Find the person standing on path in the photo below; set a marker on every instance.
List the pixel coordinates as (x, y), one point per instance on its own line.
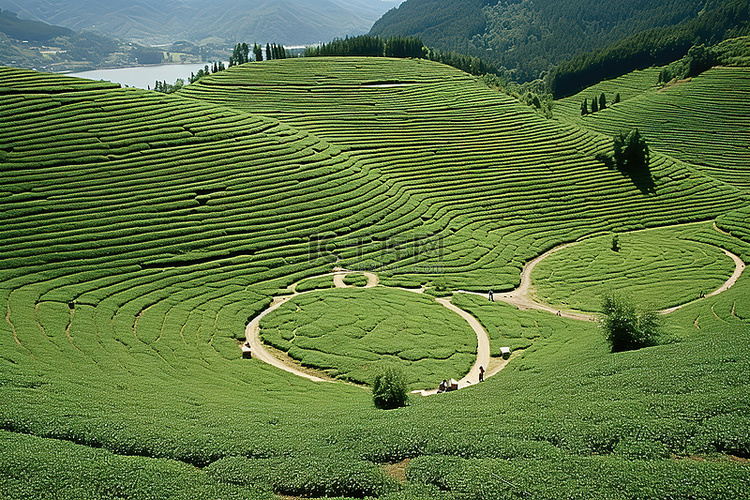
(481, 373)
(491, 297)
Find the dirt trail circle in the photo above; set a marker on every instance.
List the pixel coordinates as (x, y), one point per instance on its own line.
(518, 297)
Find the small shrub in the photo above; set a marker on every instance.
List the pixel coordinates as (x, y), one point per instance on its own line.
(389, 389)
(625, 327)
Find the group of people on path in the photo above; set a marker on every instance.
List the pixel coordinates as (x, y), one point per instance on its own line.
(445, 386)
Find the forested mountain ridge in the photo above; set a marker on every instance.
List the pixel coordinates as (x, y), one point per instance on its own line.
(529, 37)
(166, 21)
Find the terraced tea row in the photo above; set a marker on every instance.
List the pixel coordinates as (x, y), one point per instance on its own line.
(137, 249)
(472, 157)
(702, 121)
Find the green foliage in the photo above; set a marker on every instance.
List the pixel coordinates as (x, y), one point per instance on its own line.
(240, 54)
(207, 70)
(734, 51)
(655, 47)
(625, 327)
(664, 267)
(630, 151)
(167, 88)
(711, 141)
(370, 46)
(527, 38)
(698, 59)
(355, 279)
(389, 389)
(316, 475)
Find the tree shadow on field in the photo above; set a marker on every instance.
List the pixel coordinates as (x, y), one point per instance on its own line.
(639, 174)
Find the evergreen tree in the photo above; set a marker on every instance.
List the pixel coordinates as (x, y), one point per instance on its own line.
(258, 51)
(617, 98)
(584, 107)
(594, 105)
(630, 151)
(269, 54)
(602, 101)
(244, 51)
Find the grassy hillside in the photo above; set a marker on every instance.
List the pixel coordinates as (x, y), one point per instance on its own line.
(142, 231)
(702, 121)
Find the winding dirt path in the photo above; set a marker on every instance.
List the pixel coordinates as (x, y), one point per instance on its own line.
(520, 297)
(286, 363)
(739, 266)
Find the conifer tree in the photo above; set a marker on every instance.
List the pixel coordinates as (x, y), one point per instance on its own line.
(602, 101)
(594, 105)
(584, 107)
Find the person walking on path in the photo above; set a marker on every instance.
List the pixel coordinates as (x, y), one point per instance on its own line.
(481, 373)
(490, 296)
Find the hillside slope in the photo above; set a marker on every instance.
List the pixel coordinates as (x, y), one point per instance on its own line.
(702, 121)
(166, 21)
(142, 231)
(530, 37)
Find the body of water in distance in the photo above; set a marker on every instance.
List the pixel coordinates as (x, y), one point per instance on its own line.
(144, 77)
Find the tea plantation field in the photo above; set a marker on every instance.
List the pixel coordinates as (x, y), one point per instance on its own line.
(142, 231)
(702, 121)
(352, 334)
(662, 267)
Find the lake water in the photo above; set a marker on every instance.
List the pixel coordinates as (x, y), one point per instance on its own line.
(143, 76)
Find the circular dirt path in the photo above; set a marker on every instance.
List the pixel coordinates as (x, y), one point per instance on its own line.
(286, 363)
(282, 361)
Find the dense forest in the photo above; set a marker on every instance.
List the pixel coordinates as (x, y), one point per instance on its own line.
(654, 47)
(529, 38)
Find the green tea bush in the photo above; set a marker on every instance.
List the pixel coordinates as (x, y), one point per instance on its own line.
(312, 475)
(626, 328)
(389, 389)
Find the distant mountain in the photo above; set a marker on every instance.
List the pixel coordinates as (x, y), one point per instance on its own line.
(531, 36)
(33, 31)
(166, 21)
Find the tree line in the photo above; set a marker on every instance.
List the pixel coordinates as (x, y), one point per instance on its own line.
(370, 46)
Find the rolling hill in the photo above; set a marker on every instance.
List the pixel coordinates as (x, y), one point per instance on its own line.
(165, 21)
(142, 232)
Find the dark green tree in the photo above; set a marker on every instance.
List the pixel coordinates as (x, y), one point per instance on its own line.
(630, 151)
(389, 389)
(602, 101)
(584, 107)
(617, 98)
(258, 51)
(269, 54)
(627, 328)
(594, 105)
